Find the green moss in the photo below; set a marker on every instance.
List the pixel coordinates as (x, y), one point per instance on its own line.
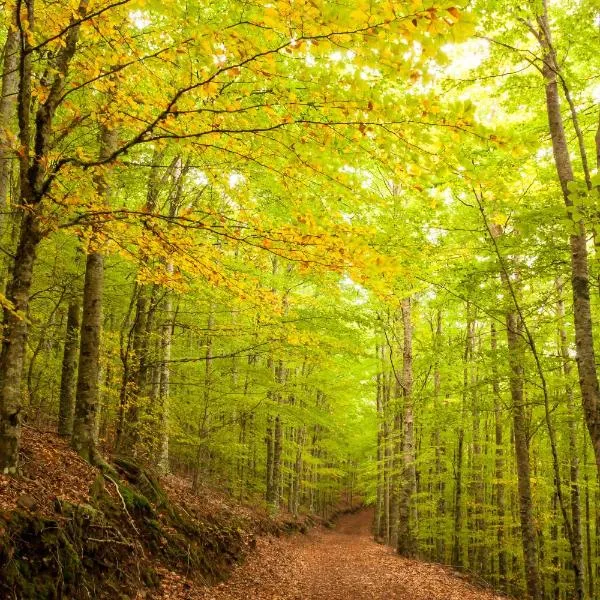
(90, 549)
(136, 503)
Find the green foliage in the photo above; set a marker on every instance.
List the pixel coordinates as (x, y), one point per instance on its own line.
(286, 175)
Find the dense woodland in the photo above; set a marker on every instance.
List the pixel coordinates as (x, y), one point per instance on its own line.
(302, 249)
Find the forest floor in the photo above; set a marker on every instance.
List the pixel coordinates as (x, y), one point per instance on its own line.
(68, 531)
(343, 563)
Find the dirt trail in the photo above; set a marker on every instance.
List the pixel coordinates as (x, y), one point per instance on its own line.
(342, 564)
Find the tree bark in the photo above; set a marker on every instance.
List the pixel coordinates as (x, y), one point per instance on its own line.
(277, 452)
(270, 491)
(499, 464)
(84, 425)
(528, 534)
(586, 357)
(407, 543)
(457, 558)
(588, 527)
(131, 392)
(68, 380)
(86, 407)
(164, 380)
(33, 188)
(14, 343)
(298, 469)
(440, 449)
(379, 516)
(207, 397)
(576, 527)
(8, 103)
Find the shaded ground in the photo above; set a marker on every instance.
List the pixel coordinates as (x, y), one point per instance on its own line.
(340, 564)
(68, 530)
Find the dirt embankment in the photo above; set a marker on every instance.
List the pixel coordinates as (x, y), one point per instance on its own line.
(68, 530)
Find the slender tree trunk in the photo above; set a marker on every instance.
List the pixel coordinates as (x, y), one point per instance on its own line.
(577, 543)
(8, 104)
(207, 398)
(407, 544)
(298, 470)
(277, 453)
(528, 534)
(499, 464)
(127, 441)
(395, 466)
(588, 526)
(86, 407)
(270, 488)
(68, 379)
(477, 477)
(164, 380)
(440, 450)
(379, 516)
(555, 587)
(33, 188)
(596, 561)
(457, 558)
(12, 355)
(586, 357)
(387, 463)
(84, 441)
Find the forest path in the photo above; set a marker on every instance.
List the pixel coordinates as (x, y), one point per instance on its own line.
(340, 564)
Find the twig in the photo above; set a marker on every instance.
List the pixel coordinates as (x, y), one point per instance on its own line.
(123, 501)
(106, 541)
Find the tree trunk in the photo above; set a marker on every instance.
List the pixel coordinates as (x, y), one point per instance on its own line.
(8, 97)
(577, 542)
(407, 544)
(586, 357)
(298, 468)
(164, 380)
(68, 378)
(33, 187)
(555, 579)
(270, 488)
(387, 461)
(528, 534)
(440, 449)
(84, 426)
(588, 527)
(499, 464)
(477, 478)
(457, 559)
(379, 516)
(86, 407)
(129, 433)
(13, 346)
(277, 452)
